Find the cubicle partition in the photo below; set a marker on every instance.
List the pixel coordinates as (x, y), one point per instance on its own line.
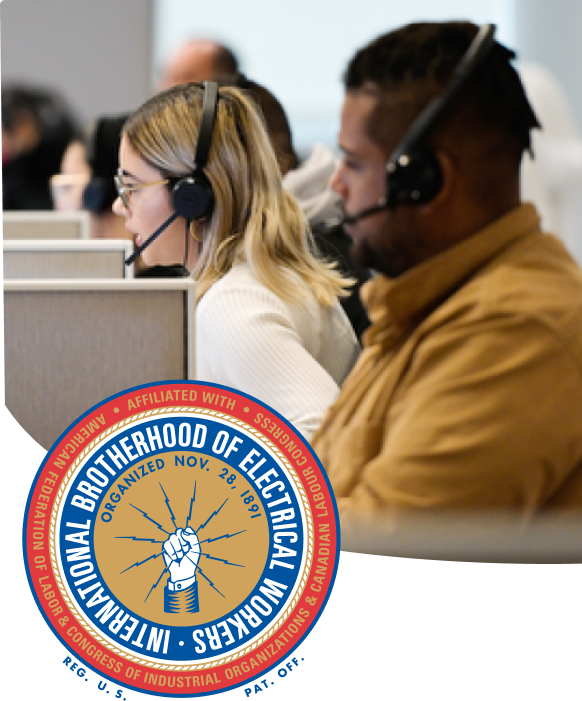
(46, 225)
(67, 258)
(69, 344)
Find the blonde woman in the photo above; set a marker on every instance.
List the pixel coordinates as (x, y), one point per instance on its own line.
(197, 166)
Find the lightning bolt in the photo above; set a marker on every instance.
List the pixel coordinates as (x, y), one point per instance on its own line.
(226, 562)
(169, 507)
(226, 535)
(151, 519)
(191, 505)
(156, 584)
(212, 515)
(209, 581)
(137, 564)
(146, 540)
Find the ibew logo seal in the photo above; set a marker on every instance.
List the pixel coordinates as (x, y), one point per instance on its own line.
(181, 538)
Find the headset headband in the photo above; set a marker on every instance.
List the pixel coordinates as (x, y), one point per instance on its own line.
(209, 103)
(479, 48)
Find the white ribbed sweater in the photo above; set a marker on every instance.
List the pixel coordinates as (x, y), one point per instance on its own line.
(292, 357)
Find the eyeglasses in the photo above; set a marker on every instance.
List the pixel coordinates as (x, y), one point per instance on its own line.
(124, 190)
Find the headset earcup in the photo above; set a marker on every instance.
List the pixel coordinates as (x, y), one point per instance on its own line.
(98, 195)
(415, 178)
(192, 197)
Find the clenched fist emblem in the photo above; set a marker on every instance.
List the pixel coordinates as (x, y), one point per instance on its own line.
(181, 554)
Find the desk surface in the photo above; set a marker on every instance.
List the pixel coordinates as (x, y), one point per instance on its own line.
(475, 537)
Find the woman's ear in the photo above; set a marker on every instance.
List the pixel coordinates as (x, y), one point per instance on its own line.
(197, 229)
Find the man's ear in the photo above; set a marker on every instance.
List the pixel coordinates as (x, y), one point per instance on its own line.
(448, 185)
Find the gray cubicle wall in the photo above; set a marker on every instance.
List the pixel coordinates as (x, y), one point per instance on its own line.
(69, 344)
(45, 225)
(86, 259)
(96, 53)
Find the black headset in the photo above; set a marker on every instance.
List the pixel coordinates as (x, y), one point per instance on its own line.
(192, 196)
(413, 173)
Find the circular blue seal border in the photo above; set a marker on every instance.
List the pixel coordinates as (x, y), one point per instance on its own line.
(277, 430)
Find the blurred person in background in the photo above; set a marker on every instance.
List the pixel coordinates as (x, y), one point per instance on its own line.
(85, 180)
(67, 186)
(197, 60)
(37, 127)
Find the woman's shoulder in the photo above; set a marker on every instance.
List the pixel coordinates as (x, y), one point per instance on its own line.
(241, 292)
(239, 289)
(240, 275)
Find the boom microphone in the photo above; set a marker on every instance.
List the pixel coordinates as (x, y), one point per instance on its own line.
(130, 259)
(333, 222)
(381, 205)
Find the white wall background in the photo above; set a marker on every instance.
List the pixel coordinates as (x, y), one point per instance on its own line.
(300, 49)
(550, 33)
(105, 56)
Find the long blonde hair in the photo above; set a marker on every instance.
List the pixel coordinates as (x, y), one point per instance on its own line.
(254, 218)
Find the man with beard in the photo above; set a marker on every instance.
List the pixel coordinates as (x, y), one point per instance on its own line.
(468, 394)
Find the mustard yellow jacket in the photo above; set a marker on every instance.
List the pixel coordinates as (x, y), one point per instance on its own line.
(468, 393)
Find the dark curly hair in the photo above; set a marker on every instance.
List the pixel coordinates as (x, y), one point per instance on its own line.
(420, 59)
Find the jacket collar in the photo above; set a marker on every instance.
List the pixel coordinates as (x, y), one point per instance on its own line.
(403, 302)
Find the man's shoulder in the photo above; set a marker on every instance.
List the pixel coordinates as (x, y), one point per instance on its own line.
(536, 275)
(535, 280)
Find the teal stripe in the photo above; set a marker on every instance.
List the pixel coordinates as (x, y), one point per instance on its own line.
(18, 471)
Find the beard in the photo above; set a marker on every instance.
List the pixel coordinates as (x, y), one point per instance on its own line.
(363, 255)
